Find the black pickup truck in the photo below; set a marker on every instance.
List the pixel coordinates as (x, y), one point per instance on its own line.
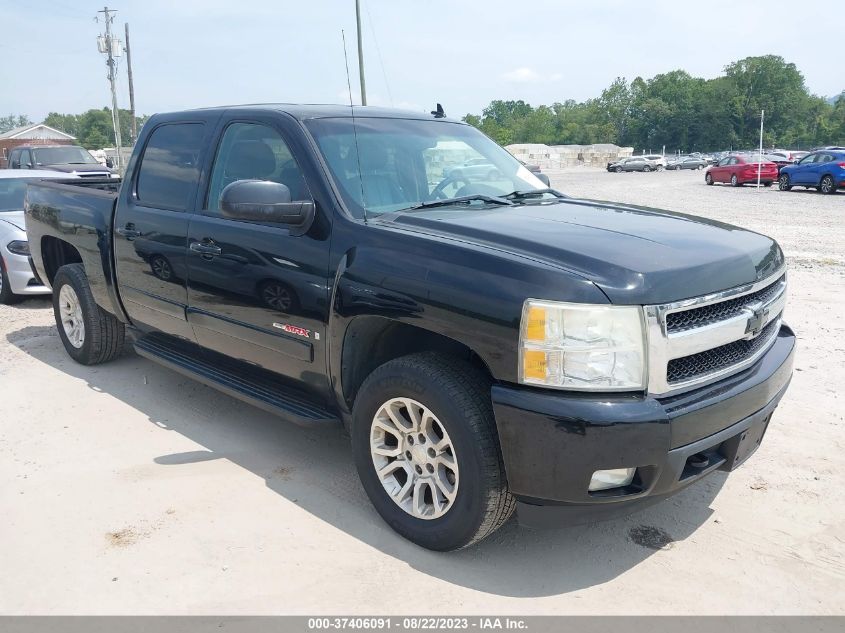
(489, 343)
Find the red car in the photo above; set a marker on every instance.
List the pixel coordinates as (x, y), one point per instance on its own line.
(739, 170)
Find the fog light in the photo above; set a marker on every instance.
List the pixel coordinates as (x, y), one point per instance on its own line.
(614, 478)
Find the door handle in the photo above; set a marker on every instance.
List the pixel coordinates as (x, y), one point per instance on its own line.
(129, 232)
(206, 248)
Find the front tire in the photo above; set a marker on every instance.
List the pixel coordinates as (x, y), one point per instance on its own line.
(426, 448)
(708, 179)
(783, 183)
(90, 334)
(7, 297)
(646, 168)
(734, 181)
(827, 185)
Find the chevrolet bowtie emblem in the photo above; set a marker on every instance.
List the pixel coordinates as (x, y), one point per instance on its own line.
(756, 321)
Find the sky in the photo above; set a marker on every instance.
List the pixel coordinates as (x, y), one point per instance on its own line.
(461, 53)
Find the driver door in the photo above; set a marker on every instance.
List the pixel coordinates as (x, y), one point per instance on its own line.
(255, 291)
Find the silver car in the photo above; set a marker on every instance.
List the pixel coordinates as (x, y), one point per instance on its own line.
(17, 279)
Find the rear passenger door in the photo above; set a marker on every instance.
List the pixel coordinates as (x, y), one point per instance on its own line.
(151, 225)
(256, 292)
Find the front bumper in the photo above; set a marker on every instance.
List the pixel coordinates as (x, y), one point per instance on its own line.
(21, 274)
(553, 442)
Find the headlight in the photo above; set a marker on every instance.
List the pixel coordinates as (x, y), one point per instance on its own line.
(582, 347)
(19, 247)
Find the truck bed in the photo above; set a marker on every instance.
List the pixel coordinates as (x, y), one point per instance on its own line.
(74, 217)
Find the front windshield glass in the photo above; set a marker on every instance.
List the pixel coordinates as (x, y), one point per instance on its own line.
(62, 156)
(12, 193)
(401, 163)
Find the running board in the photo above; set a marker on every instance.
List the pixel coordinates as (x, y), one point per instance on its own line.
(238, 379)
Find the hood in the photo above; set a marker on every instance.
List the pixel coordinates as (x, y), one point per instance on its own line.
(83, 168)
(15, 218)
(635, 255)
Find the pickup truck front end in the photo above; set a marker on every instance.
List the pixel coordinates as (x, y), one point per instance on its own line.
(713, 369)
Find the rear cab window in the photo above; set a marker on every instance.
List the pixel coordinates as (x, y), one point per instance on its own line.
(169, 168)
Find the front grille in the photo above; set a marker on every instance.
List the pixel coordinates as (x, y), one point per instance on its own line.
(713, 360)
(705, 315)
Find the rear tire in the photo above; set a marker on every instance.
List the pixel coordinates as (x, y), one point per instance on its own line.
(646, 168)
(456, 396)
(90, 334)
(827, 185)
(7, 297)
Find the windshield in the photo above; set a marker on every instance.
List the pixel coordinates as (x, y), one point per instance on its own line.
(402, 163)
(69, 155)
(12, 193)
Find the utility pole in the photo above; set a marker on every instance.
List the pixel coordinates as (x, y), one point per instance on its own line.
(360, 53)
(109, 50)
(131, 87)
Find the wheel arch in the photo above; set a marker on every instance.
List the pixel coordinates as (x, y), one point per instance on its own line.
(371, 341)
(56, 253)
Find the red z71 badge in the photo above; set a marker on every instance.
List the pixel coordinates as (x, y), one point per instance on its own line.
(293, 329)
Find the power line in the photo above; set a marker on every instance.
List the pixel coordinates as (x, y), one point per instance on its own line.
(378, 51)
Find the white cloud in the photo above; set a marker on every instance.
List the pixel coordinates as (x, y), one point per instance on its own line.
(522, 75)
(526, 75)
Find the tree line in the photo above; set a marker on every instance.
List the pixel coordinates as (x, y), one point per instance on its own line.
(93, 129)
(682, 112)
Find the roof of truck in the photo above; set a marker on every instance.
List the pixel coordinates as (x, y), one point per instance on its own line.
(323, 110)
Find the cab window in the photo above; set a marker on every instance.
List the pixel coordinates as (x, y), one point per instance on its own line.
(252, 151)
(169, 171)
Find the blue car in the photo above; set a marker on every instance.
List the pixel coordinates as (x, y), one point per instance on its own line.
(823, 169)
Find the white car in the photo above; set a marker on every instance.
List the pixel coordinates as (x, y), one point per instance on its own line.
(657, 159)
(17, 278)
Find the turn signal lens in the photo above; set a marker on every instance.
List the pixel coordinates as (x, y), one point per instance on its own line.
(19, 247)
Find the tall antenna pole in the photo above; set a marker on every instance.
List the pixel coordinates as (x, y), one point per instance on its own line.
(131, 87)
(360, 53)
(112, 64)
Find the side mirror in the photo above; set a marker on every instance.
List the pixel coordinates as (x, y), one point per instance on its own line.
(264, 201)
(544, 179)
(109, 163)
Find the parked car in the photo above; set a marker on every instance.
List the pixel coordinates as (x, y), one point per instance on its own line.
(634, 163)
(17, 277)
(658, 159)
(69, 159)
(537, 171)
(823, 170)
(490, 346)
(739, 170)
(687, 162)
(476, 168)
(779, 159)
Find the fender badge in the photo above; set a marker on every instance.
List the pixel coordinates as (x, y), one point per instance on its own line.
(293, 329)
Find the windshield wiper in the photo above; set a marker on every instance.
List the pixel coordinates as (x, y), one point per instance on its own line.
(460, 200)
(530, 193)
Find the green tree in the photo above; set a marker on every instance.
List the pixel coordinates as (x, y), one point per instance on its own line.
(12, 121)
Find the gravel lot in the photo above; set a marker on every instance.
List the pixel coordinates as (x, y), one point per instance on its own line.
(129, 489)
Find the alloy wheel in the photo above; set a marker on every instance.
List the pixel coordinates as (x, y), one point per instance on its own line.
(827, 184)
(414, 458)
(70, 311)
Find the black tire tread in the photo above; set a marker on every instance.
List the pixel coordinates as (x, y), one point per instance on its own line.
(7, 297)
(470, 390)
(107, 334)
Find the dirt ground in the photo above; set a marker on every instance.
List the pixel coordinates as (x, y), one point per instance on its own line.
(127, 489)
